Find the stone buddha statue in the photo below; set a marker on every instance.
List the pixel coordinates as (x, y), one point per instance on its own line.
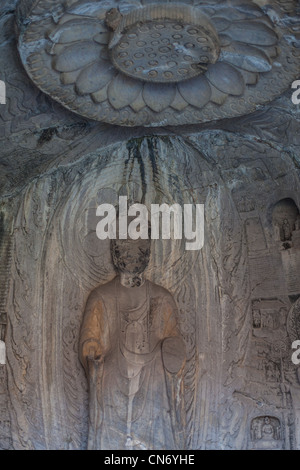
(133, 355)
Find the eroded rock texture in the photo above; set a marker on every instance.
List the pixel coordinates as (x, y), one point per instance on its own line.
(157, 63)
(237, 298)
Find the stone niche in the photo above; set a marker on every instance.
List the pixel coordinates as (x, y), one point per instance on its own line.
(286, 223)
(70, 143)
(266, 433)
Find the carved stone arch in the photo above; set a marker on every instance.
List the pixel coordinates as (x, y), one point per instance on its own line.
(267, 216)
(67, 261)
(213, 292)
(278, 196)
(284, 217)
(266, 432)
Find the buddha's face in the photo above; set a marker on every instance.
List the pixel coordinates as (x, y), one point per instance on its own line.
(131, 256)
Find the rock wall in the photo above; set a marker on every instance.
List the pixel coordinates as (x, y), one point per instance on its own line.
(238, 297)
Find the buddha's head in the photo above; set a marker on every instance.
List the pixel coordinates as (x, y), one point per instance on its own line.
(131, 256)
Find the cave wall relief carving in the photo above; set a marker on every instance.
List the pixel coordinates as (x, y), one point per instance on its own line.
(235, 304)
(159, 63)
(275, 287)
(133, 353)
(6, 222)
(266, 433)
(85, 264)
(214, 293)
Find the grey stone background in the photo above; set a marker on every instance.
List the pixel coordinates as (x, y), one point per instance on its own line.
(55, 169)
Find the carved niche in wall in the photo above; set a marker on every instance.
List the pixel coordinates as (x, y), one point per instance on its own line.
(286, 222)
(134, 357)
(158, 63)
(266, 433)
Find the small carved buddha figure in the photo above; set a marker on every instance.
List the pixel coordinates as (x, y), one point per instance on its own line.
(133, 354)
(267, 429)
(286, 229)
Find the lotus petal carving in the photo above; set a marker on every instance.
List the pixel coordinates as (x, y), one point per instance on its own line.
(143, 63)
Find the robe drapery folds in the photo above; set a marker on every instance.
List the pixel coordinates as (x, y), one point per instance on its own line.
(133, 354)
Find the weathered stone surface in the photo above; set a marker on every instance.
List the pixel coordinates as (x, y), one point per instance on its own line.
(241, 360)
(134, 357)
(237, 299)
(161, 43)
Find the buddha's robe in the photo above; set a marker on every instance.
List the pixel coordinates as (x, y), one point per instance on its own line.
(136, 380)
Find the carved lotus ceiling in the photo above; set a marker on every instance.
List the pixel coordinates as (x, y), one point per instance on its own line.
(160, 63)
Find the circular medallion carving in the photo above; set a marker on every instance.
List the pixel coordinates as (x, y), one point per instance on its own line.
(163, 44)
(162, 56)
(155, 64)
